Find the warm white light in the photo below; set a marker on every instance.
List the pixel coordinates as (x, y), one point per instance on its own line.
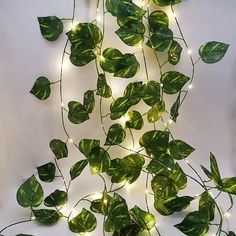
(169, 168)
(187, 161)
(98, 18)
(33, 218)
(146, 191)
(170, 121)
(105, 201)
(124, 118)
(62, 104)
(190, 86)
(73, 25)
(70, 140)
(65, 65)
(197, 195)
(211, 194)
(165, 124)
(128, 186)
(97, 9)
(97, 196)
(140, 45)
(102, 58)
(189, 51)
(227, 215)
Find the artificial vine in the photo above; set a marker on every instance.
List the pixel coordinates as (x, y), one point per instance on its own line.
(159, 155)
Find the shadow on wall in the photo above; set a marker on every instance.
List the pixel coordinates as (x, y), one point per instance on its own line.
(233, 117)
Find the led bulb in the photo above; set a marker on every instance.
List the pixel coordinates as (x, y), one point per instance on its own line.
(227, 215)
(169, 168)
(170, 121)
(211, 194)
(128, 186)
(105, 201)
(189, 51)
(70, 140)
(33, 218)
(190, 86)
(97, 196)
(187, 161)
(62, 104)
(146, 191)
(98, 18)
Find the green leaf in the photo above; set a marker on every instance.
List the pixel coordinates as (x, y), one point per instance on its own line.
(155, 113)
(166, 2)
(144, 219)
(46, 216)
(174, 111)
(213, 52)
(30, 193)
(46, 172)
(121, 105)
(86, 34)
(59, 148)
(160, 165)
(207, 172)
(87, 145)
(157, 20)
(101, 205)
(155, 142)
(103, 89)
(194, 224)
(51, 27)
(151, 93)
(207, 205)
(89, 101)
(127, 169)
(80, 55)
(179, 149)
(132, 90)
(178, 203)
(99, 160)
(118, 214)
(77, 168)
(57, 198)
(130, 230)
(164, 186)
(85, 221)
(41, 88)
(131, 33)
(174, 53)
(229, 185)
(215, 171)
(159, 204)
(173, 81)
(116, 135)
(161, 39)
(231, 233)
(23, 235)
(77, 112)
(134, 121)
(178, 176)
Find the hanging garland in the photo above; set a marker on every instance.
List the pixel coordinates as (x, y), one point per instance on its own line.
(159, 155)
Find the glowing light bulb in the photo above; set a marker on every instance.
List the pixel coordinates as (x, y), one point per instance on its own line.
(105, 201)
(97, 196)
(102, 58)
(62, 104)
(70, 140)
(98, 18)
(73, 25)
(189, 51)
(211, 194)
(170, 121)
(146, 191)
(187, 161)
(128, 186)
(190, 86)
(197, 195)
(140, 45)
(165, 124)
(227, 215)
(33, 218)
(169, 169)
(97, 9)
(161, 84)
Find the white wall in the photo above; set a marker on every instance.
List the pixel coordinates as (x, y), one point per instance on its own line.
(207, 119)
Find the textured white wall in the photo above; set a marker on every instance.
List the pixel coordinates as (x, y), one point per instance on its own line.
(207, 119)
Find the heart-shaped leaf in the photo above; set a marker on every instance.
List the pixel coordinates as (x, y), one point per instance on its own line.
(85, 221)
(41, 88)
(116, 135)
(57, 198)
(174, 53)
(51, 27)
(101, 205)
(77, 168)
(46, 216)
(166, 2)
(59, 148)
(207, 205)
(103, 89)
(215, 171)
(77, 112)
(157, 20)
(87, 145)
(30, 193)
(229, 185)
(178, 203)
(89, 101)
(134, 121)
(151, 93)
(155, 113)
(46, 172)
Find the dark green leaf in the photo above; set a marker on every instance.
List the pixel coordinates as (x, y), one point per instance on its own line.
(116, 135)
(30, 193)
(46, 172)
(173, 81)
(132, 229)
(133, 90)
(51, 27)
(85, 221)
(155, 142)
(89, 101)
(57, 198)
(81, 55)
(86, 34)
(164, 186)
(144, 219)
(131, 33)
(23, 235)
(178, 176)
(99, 160)
(87, 145)
(77, 112)
(215, 171)
(41, 88)
(174, 111)
(118, 214)
(157, 20)
(161, 39)
(77, 168)
(151, 93)
(103, 89)
(179, 149)
(207, 205)
(229, 185)
(127, 169)
(178, 203)
(59, 148)
(101, 205)
(194, 224)
(231, 233)
(213, 52)
(166, 2)
(174, 52)
(207, 172)
(155, 113)
(46, 216)
(159, 204)
(134, 121)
